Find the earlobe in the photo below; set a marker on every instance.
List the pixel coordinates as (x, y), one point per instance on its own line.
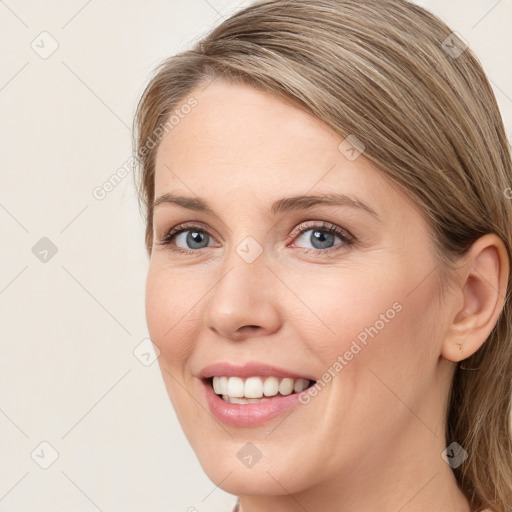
(483, 278)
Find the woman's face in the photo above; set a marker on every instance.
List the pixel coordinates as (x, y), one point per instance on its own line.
(336, 286)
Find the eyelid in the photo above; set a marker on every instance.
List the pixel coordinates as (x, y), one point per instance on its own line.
(323, 225)
(180, 228)
(345, 236)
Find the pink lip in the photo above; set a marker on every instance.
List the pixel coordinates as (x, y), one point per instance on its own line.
(249, 415)
(251, 369)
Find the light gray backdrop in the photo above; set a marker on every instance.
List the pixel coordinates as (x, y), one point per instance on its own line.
(85, 422)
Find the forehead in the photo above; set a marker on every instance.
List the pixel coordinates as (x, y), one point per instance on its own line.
(238, 121)
(238, 141)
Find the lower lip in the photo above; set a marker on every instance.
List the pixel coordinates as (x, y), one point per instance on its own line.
(249, 415)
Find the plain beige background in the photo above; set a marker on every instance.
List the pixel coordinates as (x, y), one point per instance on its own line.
(75, 381)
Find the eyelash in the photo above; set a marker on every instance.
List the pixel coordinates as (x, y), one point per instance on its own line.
(345, 237)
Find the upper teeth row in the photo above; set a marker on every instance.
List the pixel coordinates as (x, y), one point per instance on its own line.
(256, 387)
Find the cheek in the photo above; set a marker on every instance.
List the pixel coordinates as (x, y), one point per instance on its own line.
(389, 341)
(370, 320)
(343, 305)
(171, 315)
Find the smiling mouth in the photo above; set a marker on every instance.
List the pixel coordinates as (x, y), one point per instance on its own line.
(237, 390)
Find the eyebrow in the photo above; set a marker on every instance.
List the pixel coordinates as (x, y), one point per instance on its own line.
(284, 204)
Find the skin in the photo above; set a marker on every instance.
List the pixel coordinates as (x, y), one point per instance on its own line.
(371, 440)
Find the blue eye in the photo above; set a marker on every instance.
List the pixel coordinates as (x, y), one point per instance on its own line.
(322, 237)
(194, 238)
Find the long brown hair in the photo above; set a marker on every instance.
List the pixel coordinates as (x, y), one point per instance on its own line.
(396, 77)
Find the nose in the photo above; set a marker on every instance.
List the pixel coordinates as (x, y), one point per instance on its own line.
(243, 303)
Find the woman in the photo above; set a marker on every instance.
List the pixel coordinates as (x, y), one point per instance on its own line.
(329, 224)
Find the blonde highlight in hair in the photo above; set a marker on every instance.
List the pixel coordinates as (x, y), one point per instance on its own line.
(379, 70)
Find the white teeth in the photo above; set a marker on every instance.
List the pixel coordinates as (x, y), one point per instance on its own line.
(223, 385)
(300, 385)
(286, 386)
(233, 400)
(254, 389)
(235, 387)
(271, 386)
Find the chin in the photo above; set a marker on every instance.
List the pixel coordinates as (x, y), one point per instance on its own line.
(230, 467)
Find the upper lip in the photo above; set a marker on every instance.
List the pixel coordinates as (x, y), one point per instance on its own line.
(249, 369)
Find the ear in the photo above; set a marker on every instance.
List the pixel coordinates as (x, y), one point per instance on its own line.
(481, 285)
